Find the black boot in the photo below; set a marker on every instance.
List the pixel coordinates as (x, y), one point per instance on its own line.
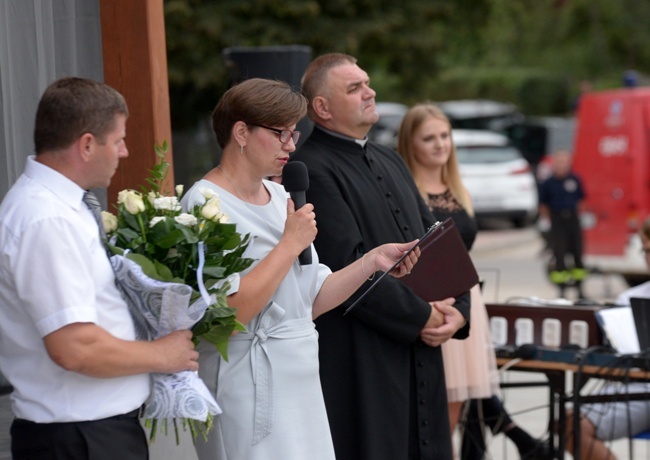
(541, 451)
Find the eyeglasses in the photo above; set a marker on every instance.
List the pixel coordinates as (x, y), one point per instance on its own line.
(283, 134)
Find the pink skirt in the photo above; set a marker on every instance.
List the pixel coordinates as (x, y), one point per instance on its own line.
(470, 364)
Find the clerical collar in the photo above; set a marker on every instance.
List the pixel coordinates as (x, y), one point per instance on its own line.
(361, 142)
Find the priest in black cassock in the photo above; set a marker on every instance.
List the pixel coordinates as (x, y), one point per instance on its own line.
(380, 365)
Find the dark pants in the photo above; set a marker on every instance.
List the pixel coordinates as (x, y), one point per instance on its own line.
(566, 237)
(491, 414)
(115, 438)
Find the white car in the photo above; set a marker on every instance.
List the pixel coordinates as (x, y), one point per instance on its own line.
(497, 176)
(390, 118)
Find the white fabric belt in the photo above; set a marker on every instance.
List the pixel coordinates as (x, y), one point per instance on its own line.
(269, 327)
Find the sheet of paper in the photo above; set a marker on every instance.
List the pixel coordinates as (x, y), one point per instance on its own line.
(618, 324)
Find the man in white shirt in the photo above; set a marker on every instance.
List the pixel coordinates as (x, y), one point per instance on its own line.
(619, 419)
(67, 342)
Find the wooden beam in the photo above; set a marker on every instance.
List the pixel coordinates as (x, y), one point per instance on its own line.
(135, 63)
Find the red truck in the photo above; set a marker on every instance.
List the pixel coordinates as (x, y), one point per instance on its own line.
(612, 155)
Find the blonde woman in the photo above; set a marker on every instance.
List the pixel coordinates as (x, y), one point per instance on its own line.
(425, 143)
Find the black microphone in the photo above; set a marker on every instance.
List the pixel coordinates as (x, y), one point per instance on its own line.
(296, 181)
(526, 351)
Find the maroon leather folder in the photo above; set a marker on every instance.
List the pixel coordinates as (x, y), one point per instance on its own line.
(443, 270)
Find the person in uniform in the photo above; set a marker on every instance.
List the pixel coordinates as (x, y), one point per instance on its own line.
(560, 198)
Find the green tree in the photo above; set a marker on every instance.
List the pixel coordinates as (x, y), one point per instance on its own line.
(414, 49)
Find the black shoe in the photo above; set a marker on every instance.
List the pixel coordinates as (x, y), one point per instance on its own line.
(541, 451)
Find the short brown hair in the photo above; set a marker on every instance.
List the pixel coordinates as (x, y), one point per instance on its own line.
(71, 107)
(257, 102)
(314, 80)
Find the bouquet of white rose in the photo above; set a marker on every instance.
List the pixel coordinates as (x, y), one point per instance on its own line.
(173, 268)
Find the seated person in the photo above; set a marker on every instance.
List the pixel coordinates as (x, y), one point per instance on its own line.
(609, 421)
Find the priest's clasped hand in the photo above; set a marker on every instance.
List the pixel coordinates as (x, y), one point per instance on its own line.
(449, 320)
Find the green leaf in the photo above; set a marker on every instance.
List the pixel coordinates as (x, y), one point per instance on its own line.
(115, 250)
(217, 325)
(158, 173)
(214, 272)
(189, 234)
(163, 271)
(131, 220)
(233, 240)
(170, 239)
(148, 267)
(128, 233)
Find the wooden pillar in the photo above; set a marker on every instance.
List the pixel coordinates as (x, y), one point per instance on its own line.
(135, 63)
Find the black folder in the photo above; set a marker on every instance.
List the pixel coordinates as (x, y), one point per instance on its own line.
(641, 313)
(443, 270)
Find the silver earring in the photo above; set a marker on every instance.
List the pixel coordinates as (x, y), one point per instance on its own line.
(241, 149)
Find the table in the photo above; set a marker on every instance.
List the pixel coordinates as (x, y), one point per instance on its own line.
(559, 373)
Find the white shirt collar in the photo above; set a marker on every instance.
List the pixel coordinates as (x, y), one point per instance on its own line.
(361, 142)
(67, 190)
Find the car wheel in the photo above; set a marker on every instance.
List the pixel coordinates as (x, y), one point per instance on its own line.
(519, 222)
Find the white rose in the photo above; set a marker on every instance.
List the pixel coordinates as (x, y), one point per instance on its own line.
(207, 193)
(155, 220)
(211, 209)
(179, 189)
(109, 221)
(132, 201)
(121, 197)
(167, 203)
(224, 219)
(186, 219)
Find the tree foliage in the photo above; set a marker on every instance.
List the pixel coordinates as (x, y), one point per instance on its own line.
(416, 49)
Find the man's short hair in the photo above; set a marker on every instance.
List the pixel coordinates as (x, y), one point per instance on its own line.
(71, 107)
(314, 80)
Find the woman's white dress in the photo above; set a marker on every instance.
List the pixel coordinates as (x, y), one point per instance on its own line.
(269, 390)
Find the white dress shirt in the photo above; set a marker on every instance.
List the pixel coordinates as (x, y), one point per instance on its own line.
(642, 290)
(53, 272)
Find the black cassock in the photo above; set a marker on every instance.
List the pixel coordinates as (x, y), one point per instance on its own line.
(384, 388)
